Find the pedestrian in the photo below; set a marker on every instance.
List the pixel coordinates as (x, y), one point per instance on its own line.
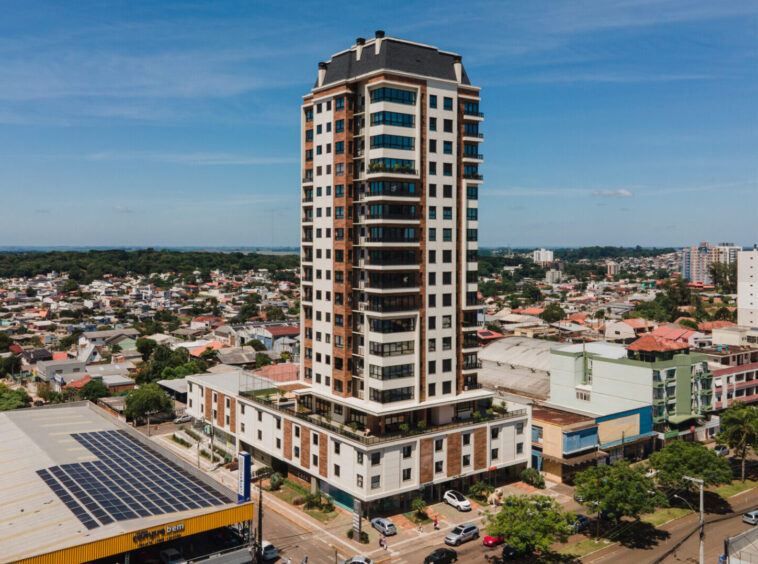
(436, 525)
(420, 529)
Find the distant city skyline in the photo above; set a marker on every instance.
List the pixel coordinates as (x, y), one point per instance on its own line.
(171, 124)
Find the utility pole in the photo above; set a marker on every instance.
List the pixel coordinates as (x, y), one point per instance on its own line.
(699, 482)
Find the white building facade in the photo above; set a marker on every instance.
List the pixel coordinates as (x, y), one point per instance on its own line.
(747, 288)
(388, 401)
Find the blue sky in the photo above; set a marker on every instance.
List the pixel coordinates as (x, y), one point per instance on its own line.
(160, 123)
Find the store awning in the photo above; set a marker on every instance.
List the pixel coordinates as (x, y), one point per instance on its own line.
(576, 460)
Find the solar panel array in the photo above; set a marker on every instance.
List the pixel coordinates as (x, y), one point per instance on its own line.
(128, 481)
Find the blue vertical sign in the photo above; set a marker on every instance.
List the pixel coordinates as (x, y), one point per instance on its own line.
(243, 475)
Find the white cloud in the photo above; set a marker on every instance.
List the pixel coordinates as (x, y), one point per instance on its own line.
(120, 208)
(618, 193)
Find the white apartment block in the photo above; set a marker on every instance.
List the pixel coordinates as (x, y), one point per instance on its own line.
(747, 288)
(543, 257)
(388, 383)
(696, 261)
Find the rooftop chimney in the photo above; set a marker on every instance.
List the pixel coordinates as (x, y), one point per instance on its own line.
(321, 73)
(360, 42)
(458, 68)
(379, 34)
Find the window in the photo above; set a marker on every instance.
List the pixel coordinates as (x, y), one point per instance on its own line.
(447, 343)
(315, 459)
(472, 192)
(407, 451)
(432, 300)
(387, 94)
(227, 419)
(447, 300)
(336, 470)
(260, 415)
(297, 430)
(339, 104)
(446, 386)
(472, 214)
(392, 118)
(432, 257)
(318, 149)
(318, 129)
(392, 142)
(432, 390)
(447, 169)
(432, 124)
(406, 474)
(448, 125)
(376, 458)
(467, 460)
(260, 435)
(432, 322)
(432, 212)
(432, 167)
(438, 444)
(339, 191)
(432, 278)
(315, 438)
(432, 146)
(447, 256)
(432, 101)
(375, 482)
(494, 453)
(339, 147)
(279, 443)
(447, 234)
(242, 427)
(359, 480)
(432, 190)
(278, 422)
(519, 428)
(339, 169)
(328, 105)
(297, 451)
(494, 432)
(337, 446)
(447, 213)
(309, 114)
(519, 448)
(447, 147)
(447, 278)
(448, 104)
(438, 467)
(432, 234)
(471, 235)
(466, 438)
(431, 345)
(447, 190)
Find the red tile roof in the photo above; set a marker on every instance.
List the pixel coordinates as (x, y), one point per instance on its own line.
(487, 335)
(711, 325)
(651, 343)
(282, 372)
(674, 333)
(533, 310)
(215, 345)
(637, 323)
(284, 330)
(79, 383)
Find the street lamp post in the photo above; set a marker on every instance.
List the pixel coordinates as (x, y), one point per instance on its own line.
(699, 482)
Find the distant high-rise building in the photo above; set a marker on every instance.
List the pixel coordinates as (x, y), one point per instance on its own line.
(612, 268)
(696, 261)
(543, 257)
(747, 288)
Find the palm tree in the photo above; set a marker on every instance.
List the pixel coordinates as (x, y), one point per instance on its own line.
(739, 430)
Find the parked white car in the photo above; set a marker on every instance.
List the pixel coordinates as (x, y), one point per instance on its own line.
(457, 500)
(462, 533)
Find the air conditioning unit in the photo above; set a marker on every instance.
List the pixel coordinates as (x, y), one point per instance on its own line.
(360, 351)
(362, 306)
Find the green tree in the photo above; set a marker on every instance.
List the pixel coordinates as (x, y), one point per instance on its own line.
(553, 313)
(145, 347)
(689, 323)
(481, 490)
(739, 430)
(274, 314)
(257, 344)
(682, 458)
(5, 341)
(724, 314)
(530, 523)
(94, 390)
(70, 285)
(532, 293)
(261, 360)
(13, 399)
(10, 365)
(619, 490)
(418, 505)
(149, 398)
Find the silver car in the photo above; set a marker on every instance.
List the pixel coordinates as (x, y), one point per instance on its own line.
(384, 526)
(462, 533)
(751, 517)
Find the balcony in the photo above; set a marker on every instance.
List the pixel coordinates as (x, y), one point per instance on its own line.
(475, 156)
(262, 397)
(378, 168)
(308, 179)
(474, 365)
(307, 199)
(473, 135)
(473, 114)
(473, 176)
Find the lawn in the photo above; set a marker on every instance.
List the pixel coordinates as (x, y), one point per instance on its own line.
(319, 515)
(413, 517)
(735, 487)
(585, 547)
(287, 494)
(665, 515)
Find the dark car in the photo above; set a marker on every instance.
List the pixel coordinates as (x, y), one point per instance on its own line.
(441, 556)
(581, 523)
(512, 553)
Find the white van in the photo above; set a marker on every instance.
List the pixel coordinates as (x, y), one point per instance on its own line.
(751, 517)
